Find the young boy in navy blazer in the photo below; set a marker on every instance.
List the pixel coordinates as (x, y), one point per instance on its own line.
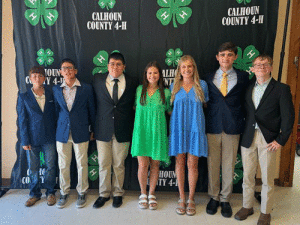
(224, 124)
(36, 120)
(74, 102)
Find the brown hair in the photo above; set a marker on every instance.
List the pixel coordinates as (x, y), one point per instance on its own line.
(161, 85)
(178, 79)
(263, 57)
(228, 46)
(37, 69)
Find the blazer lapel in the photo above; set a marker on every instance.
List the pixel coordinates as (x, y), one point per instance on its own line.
(266, 93)
(249, 95)
(127, 87)
(210, 80)
(61, 97)
(77, 96)
(34, 102)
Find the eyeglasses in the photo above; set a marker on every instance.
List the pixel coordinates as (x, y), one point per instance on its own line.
(65, 68)
(116, 64)
(266, 65)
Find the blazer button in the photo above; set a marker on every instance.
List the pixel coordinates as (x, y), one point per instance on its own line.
(113, 117)
(254, 125)
(115, 106)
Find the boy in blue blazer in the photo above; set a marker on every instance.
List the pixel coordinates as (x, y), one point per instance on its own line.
(36, 119)
(75, 108)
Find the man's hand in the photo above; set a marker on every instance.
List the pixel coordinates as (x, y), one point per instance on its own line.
(273, 146)
(27, 147)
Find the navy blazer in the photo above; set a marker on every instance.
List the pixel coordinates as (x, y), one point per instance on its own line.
(114, 119)
(274, 115)
(81, 116)
(36, 127)
(226, 113)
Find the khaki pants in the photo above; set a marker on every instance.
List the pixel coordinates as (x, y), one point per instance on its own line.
(258, 153)
(64, 151)
(222, 151)
(111, 155)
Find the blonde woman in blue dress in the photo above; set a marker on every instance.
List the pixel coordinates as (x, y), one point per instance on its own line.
(188, 140)
(149, 141)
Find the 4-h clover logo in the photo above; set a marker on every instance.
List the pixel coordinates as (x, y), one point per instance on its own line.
(101, 61)
(41, 10)
(175, 9)
(244, 61)
(238, 173)
(109, 4)
(173, 57)
(245, 1)
(45, 57)
(42, 159)
(93, 166)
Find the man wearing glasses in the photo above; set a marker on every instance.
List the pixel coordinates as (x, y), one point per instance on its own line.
(115, 94)
(75, 109)
(269, 123)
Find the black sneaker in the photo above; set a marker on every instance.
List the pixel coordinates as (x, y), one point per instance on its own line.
(212, 207)
(226, 210)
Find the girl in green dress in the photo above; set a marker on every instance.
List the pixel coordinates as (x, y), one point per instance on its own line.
(149, 141)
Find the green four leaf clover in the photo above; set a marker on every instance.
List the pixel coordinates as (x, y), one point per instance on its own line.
(101, 61)
(45, 57)
(238, 173)
(41, 10)
(244, 61)
(93, 169)
(175, 9)
(245, 1)
(173, 57)
(42, 159)
(107, 3)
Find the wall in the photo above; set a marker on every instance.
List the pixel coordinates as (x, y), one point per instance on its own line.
(9, 87)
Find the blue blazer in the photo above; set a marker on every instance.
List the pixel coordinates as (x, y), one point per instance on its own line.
(226, 113)
(36, 127)
(81, 116)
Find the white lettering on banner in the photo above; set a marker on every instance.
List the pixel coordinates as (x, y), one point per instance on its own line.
(52, 72)
(166, 178)
(33, 1)
(50, 16)
(33, 16)
(107, 21)
(240, 16)
(164, 15)
(168, 76)
(56, 80)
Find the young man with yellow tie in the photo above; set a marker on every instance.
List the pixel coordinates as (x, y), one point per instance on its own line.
(224, 124)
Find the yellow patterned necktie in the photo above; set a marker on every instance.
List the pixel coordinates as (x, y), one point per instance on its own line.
(224, 84)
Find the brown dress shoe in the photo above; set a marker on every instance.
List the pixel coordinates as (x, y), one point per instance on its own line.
(51, 199)
(243, 213)
(264, 219)
(31, 201)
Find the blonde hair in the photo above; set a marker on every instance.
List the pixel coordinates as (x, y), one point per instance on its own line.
(178, 80)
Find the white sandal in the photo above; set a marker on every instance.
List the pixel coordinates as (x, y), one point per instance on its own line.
(180, 210)
(143, 203)
(152, 202)
(190, 211)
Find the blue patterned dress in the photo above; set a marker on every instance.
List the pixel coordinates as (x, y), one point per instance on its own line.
(187, 125)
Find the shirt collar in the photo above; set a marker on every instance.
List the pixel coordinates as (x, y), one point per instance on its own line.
(264, 83)
(37, 96)
(228, 71)
(119, 78)
(76, 83)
